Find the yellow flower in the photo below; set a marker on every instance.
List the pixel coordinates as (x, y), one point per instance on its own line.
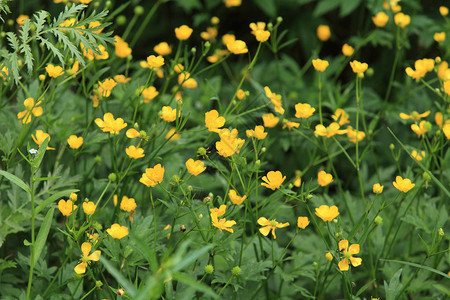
(106, 87)
(354, 135)
(210, 34)
(414, 115)
(66, 207)
(273, 180)
(155, 61)
(241, 95)
(347, 50)
(289, 124)
(134, 152)
(5, 70)
(185, 80)
(327, 213)
(420, 129)
(324, 178)
(439, 119)
(75, 142)
(212, 120)
(304, 110)
(402, 20)
(358, 68)
(270, 120)
(340, 116)
(439, 37)
(73, 196)
(153, 176)
(168, 114)
(443, 10)
(109, 124)
(302, 222)
(229, 143)
(31, 108)
(149, 93)
(422, 66)
(122, 48)
(231, 3)
(219, 211)
(447, 87)
(275, 99)
(117, 231)
(21, 19)
(228, 38)
(237, 47)
(195, 167)
(128, 204)
(183, 32)
(320, 65)
(323, 32)
(162, 49)
(40, 137)
(85, 258)
(132, 133)
(54, 71)
(235, 199)
(446, 130)
(418, 156)
(377, 188)
(258, 30)
(347, 253)
(329, 256)
(270, 225)
(89, 207)
(297, 179)
(329, 131)
(222, 224)
(380, 19)
(403, 185)
(257, 133)
(95, 23)
(172, 135)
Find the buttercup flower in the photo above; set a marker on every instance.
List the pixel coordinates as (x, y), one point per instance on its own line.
(289, 124)
(258, 30)
(106, 87)
(402, 20)
(195, 167)
(320, 65)
(132, 133)
(183, 32)
(89, 207)
(270, 225)
(134, 152)
(329, 131)
(257, 133)
(235, 199)
(168, 114)
(354, 134)
(420, 129)
(270, 120)
(275, 99)
(149, 93)
(117, 231)
(446, 130)
(229, 143)
(66, 207)
(109, 124)
(228, 38)
(210, 34)
(213, 122)
(222, 224)
(153, 176)
(21, 19)
(380, 19)
(443, 10)
(403, 185)
(75, 142)
(414, 115)
(323, 32)
(162, 49)
(340, 116)
(40, 137)
(54, 71)
(128, 204)
(155, 61)
(172, 135)
(358, 68)
(347, 50)
(273, 180)
(237, 47)
(417, 156)
(327, 213)
(121, 47)
(304, 110)
(377, 188)
(329, 256)
(422, 66)
(185, 80)
(219, 211)
(31, 108)
(231, 3)
(86, 258)
(439, 37)
(347, 253)
(324, 178)
(302, 222)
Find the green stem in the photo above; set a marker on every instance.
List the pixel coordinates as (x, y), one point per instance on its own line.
(30, 277)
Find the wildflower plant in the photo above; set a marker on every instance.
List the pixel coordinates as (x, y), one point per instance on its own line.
(270, 158)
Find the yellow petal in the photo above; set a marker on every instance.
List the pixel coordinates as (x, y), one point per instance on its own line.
(263, 221)
(354, 249)
(86, 248)
(95, 256)
(356, 261)
(343, 265)
(343, 244)
(80, 268)
(265, 230)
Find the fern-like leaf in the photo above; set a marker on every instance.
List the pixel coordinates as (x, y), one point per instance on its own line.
(24, 47)
(40, 17)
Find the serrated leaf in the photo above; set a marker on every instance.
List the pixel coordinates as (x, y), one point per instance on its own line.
(52, 48)
(43, 234)
(40, 17)
(13, 40)
(393, 288)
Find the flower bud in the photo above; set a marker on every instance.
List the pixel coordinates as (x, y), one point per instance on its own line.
(258, 162)
(329, 256)
(236, 271)
(182, 228)
(138, 10)
(279, 20)
(370, 72)
(290, 186)
(263, 150)
(98, 284)
(200, 216)
(112, 177)
(426, 176)
(193, 50)
(120, 291)
(175, 180)
(97, 225)
(143, 134)
(438, 60)
(441, 232)
(10, 22)
(378, 220)
(428, 126)
(189, 188)
(121, 20)
(209, 269)
(42, 77)
(201, 151)
(315, 264)
(2, 34)
(98, 159)
(392, 147)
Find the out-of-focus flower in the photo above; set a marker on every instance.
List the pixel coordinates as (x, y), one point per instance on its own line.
(75, 142)
(270, 120)
(402, 20)
(380, 19)
(183, 32)
(347, 50)
(235, 199)
(237, 47)
(320, 65)
(323, 32)
(324, 178)
(195, 167)
(162, 49)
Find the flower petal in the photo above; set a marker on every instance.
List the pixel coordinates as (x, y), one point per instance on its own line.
(263, 221)
(264, 230)
(343, 265)
(86, 248)
(80, 268)
(356, 261)
(343, 244)
(95, 256)
(353, 249)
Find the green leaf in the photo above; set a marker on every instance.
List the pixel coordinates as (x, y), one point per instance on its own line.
(128, 286)
(195, 284)
(325, 6)
(364, 287)
(418, 266)
(39, 155)
(16, 180)
(52, 198)
(393, 288)
(348, 6)
(146, 251)
(268, 7)
(42, 235)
